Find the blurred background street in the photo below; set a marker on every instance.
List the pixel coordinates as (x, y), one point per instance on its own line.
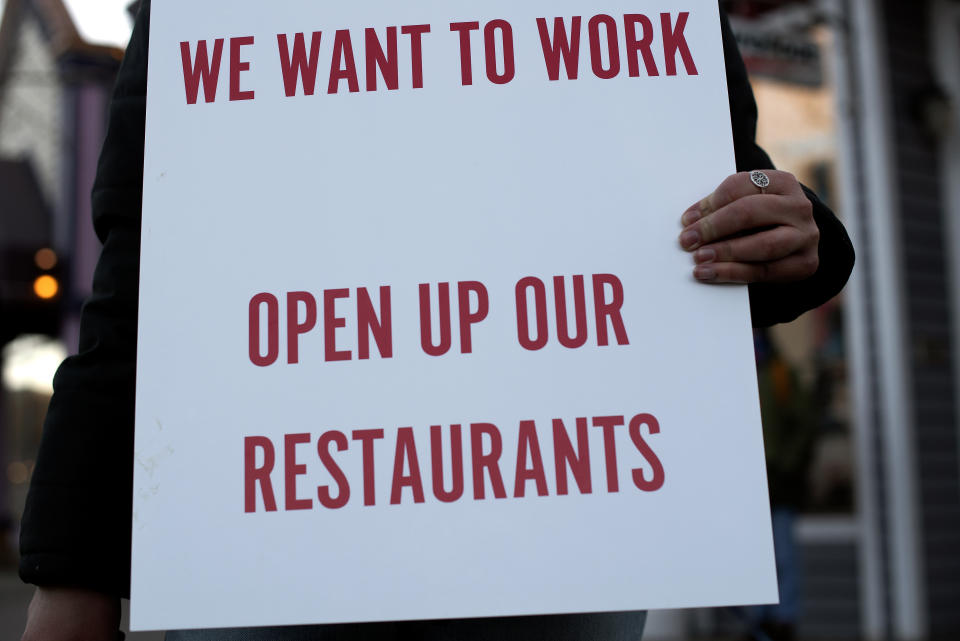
(859, 98)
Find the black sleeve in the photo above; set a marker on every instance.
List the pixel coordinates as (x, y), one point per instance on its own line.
(772, 303)
(76, 524)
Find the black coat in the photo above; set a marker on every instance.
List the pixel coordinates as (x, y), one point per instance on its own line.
(77, 521)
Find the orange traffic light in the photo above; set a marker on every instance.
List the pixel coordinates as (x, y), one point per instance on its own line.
(46, 287)
(45, 259)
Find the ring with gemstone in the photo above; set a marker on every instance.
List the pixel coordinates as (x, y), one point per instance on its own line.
(761, 180)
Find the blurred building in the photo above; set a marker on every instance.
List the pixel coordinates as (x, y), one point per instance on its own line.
(859, 98)
(899, 71)
(54, 91)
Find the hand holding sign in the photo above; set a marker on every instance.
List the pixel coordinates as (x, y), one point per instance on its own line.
(739, 235)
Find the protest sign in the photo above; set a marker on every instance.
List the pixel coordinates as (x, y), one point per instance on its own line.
(416, 336)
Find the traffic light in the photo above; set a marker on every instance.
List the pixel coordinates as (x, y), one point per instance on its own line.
(46, 285)
(31, 292)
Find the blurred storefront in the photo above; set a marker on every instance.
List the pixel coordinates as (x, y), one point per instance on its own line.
(900, 116)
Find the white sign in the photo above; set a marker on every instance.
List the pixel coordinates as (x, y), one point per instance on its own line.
(416, 336)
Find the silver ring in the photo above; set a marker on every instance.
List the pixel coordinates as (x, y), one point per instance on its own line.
(761, 180)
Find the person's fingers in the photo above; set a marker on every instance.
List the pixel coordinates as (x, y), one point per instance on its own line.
(742, 234)
(791, 268)
(746, 214)
(739, 186)
(764, 246)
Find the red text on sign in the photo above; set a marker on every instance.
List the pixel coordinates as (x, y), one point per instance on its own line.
(561, 45)
(203, 68)
(533, 330)
(500, 68)
(467, 293)
(303, 312)
(299, 64)
(489, 471)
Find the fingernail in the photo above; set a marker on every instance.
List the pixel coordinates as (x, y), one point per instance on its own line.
(705, 273)
(690, 216)
(705, 255)
(690, 239)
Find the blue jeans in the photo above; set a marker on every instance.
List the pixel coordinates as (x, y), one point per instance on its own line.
(787, 556)
(615, 626)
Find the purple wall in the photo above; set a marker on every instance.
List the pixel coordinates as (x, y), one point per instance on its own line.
(91, 108)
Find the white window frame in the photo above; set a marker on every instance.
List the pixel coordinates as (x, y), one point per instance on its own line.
(887, 288)
(867, 509)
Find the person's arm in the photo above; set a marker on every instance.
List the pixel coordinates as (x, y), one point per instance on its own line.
(75, 534)
(786, 244)
(70, 614)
